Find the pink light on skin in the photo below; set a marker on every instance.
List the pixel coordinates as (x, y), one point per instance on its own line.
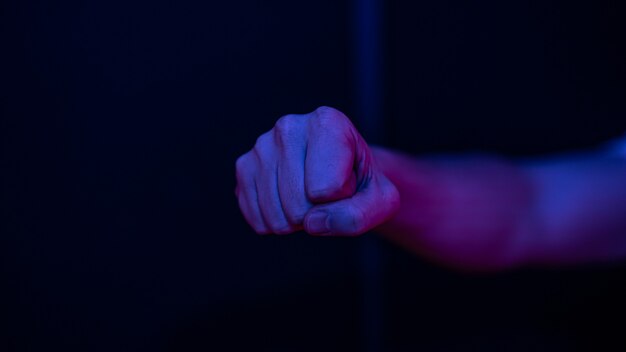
(315, 172)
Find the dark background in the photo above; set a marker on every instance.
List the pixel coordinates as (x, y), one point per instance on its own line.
(121, 121)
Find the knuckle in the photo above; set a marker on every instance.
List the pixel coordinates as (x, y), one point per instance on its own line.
(326, 114)
(262, 140)
(327, 118)
(241, 160)
(327, 110)
(241, 164)
(286, 128)
(285, 123)
(263, 146)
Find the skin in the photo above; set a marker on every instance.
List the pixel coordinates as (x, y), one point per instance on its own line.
(314, 172)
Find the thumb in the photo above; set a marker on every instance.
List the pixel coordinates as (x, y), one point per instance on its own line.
(372, 205)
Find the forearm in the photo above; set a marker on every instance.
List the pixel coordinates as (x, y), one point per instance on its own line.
(471, 212)
(486, 213)
(581, 208)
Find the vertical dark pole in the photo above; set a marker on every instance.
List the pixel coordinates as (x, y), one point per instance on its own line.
(368, 65)
(368, 89)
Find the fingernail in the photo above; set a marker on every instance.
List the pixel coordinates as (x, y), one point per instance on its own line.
(317, 223)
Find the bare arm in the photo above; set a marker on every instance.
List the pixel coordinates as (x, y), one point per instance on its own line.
(488, 213)
(315, 172)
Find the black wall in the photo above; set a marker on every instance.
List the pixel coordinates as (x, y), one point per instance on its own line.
(121, 122)
(520, 78)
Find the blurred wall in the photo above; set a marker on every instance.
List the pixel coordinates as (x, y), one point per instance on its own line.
(519, 78)
(121, 122)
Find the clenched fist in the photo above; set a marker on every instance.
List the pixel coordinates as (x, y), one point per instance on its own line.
(313, 172)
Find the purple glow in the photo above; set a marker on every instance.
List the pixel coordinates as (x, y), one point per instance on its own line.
(472, 212)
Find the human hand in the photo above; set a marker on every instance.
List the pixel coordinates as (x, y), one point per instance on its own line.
(313, 172)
